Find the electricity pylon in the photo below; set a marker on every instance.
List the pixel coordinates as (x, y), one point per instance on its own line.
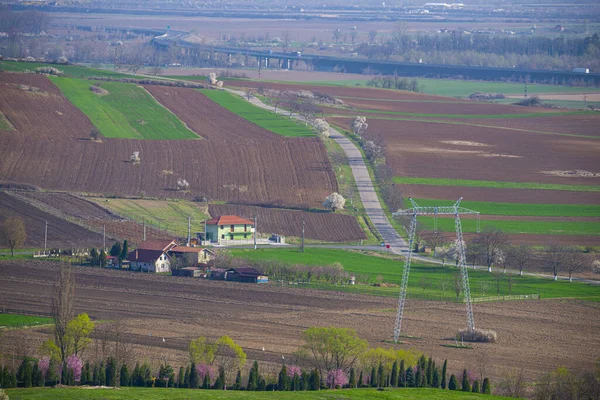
(416, 210)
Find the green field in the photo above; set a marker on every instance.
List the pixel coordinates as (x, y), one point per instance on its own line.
(533, 210)
(391, 270)
(185, 394)
(583, 228)
(126, 112)
(73, 71)
(4, 124)
(265, 119)
(15, 320)
(170, 215)
(493, 184)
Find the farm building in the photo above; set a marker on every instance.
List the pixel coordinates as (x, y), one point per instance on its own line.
(245, 274)
(228, 227)
(194, 255)
(191, 272)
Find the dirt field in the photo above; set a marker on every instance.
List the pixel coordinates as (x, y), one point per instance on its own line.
(470, 152)
(61, 233)
(320, 226)
(49, 148)
(537, 335)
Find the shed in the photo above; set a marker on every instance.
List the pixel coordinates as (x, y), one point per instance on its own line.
(246, 274)
(191, 272)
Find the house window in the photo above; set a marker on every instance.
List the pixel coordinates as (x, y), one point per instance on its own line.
(245, 229)
(245, 235)
(232, 229)
(222, 236)
(231, 237)
(222, 227)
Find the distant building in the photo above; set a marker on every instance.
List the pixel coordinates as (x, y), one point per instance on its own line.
(161, 255)
(194, 255)
(245, 274)
(149, 260)
(228, 227)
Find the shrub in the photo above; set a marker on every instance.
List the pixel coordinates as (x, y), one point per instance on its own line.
(477, 335)
(486, 388)
(476, 388)
(49, 71)
(533, 101)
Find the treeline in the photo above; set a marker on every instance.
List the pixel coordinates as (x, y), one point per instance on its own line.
(394, 82)
(522, 52)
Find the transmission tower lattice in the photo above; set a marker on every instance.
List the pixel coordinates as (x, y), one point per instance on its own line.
(416, 210)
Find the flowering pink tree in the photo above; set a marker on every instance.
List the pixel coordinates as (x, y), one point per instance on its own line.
(75, 364)
(293, 370)
(335, 378)
(203, 370)
(43, 365)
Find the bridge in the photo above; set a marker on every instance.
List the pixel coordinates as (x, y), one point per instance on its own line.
(267, 58)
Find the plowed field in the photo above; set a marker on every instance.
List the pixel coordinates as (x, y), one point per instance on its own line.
(240, 161)
(536, 335)
(61, 233)
(321, 226)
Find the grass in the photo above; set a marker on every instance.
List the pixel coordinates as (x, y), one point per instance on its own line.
(494, 184)
(265, 119)
(15, 320)
(533, 210)
(181, 394)
(73, 71)
(390, 269)
(583, 228)
(171, 215)
(4, 124)
(126, 112)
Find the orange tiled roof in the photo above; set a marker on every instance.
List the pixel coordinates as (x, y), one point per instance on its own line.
(229, 220)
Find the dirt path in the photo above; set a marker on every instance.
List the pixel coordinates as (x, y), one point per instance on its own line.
(362, 178)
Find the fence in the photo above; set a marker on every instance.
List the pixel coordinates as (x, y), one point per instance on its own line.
(534, 296)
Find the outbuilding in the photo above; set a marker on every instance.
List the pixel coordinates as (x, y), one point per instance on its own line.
(246, 274)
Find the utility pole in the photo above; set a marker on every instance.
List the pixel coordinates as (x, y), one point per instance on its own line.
(144, 235)
(189, 230)
(46, 238)
(302, 246)
(255, 231)
(104, 237)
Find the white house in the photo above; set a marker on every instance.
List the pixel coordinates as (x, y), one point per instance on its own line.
(152, 256)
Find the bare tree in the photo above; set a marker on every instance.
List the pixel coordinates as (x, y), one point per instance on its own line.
(372, 36)
(576, 262)
(433, 239)
(491, 241)
(519, 256)
(485, 287)
(12, 233)
(445, 285)
(285, 45)
(249, 94)
(514, 384)
(457, 284)
(556, 256)
(63, 308)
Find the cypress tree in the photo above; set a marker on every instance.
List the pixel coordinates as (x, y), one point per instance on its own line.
(27, 377)
(86, 375)
(101, 374)
(352, 379)
(194, 377)
(125, 250)
(410, 378)
(380, 377)
(444, 368)
(220, 382)
(206, 382)
(238, 380)
(422, 364)
(476, 388)
(429, 373)
(453, 384)
(262, 384)
(64, 376)
(4, 377)
(315, 380)
(36, 376)
(419, 378)
(486, 389)
(296, 382)
(116, 249)
(124, 375)
(466, 386)
(172, 378)
(394, 378)
(373, 377)
(13, 379)
(111, 372)
(251, 380)
(283, 381)
(135, 376)
(435, 380)
(402, 375)
(186, 377)
(181, 378)
(360, 379)
(305, 381)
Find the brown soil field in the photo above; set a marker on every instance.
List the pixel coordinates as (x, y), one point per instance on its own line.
(537, 336)
(318, 225)
(469, 152)
(61, 233)
(49, 148)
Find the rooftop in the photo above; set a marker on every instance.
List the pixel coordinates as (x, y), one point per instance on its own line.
(144, 255)
(229, 220)
(157, 244)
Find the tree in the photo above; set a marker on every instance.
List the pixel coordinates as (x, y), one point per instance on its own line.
(182, 184)
(331, 348)
(577, 261)
(12, 233)
(62, 309)
(372, 36)
(410, 377)
(453, 384)
(444, 369)
(359, 126)
(490, 241)
(435, 380)
(116, 249)
(253, 377)
(352, 379)
(102, 258)
(486, 388)
(334, 201)
(202, 351)
(94, 256)
(25, 373)
(125, 250)
(78, 333)
(111, 372)
(194, 377)
(476, 388)
(315, 380)
(402, 374)
(556, 256)
(124, 375)
(230, 356)
(514, 384)
(394, 377)
(519, 256)
(283, 382)
(466, 386)
(95, 134)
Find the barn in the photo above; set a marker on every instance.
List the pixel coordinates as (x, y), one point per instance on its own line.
(246, 274)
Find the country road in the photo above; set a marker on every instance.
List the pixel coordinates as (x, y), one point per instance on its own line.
(367, 193)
